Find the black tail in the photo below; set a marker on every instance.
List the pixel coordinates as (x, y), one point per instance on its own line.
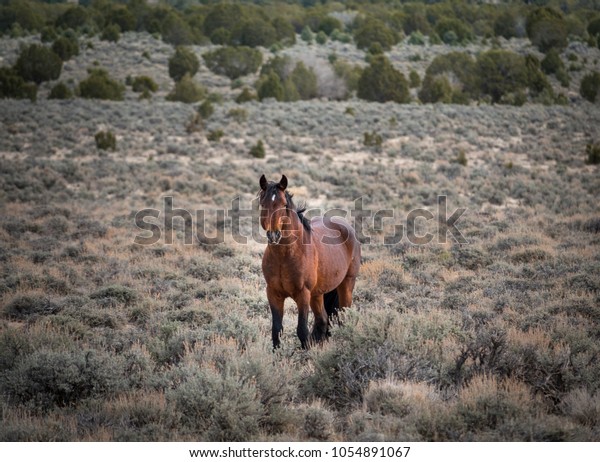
(332, 304)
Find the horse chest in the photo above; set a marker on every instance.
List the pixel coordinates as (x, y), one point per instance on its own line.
(288, 277)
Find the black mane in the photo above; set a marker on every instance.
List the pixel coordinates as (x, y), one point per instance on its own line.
(289, 204)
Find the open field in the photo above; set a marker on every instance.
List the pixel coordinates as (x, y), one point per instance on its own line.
(105, 339)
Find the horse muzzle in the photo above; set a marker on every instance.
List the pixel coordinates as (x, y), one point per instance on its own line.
(274, 237)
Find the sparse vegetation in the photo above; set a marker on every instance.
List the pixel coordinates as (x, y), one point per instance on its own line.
(187, 91)
(106, 338)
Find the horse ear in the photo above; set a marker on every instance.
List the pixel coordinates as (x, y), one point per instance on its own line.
(263, 183)
(283, 183)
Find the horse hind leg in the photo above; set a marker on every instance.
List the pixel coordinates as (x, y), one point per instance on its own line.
(345, 290)
(321, 327)
(332, 304)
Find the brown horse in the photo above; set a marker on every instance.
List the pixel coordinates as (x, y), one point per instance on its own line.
(315, 262)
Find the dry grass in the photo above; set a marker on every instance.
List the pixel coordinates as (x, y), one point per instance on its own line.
(105, 340)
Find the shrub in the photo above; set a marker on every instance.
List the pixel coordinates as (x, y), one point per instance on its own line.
(245, 96)
(284, 31)
(73, 18)
(374, 31)
(449, 78)
(111, 33)
(258, 150)
(373, 140)
(505, 25)
(590, 86)
(215, 135)
(593, 28)
(143, 83)
(501, 73)
(45, 379)
(38, 64)
(233, 62)
(304, 81)
(65, 47)
(307, 34)
(106, 141)
(269, 86)
(381, 82)
(321, 38)
(187, 91)
(60, 91)
(115, 294)
(99, 85)
(12, 85)
(255, 32)
(240, 115)
(206, 110)
(222, 17)
(453, 31)
(547, 29)
(183, 62)
(416, 38)
(593, 153)
(436, 89)
(25, 306)
(552, 63)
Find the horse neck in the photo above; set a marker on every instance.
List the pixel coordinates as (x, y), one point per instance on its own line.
(294, 228)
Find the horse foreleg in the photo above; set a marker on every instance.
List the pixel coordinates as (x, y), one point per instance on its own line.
(276, 305)
(303, 303)
(320, 328)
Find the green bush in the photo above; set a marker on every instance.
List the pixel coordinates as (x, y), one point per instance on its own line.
(143, 83)
(187, 91)
(437, 86)
(552, 63)
(590, 86)
(304, 82)
(233, 62)
(501, 73)
(307, 34)
(258, 150)
(111, 33)
(38, 64)
(60, 91)
(73, 18)
(45, 379)
(25, 306)
(373, 140)
(453, 31)
(593, 28)
(255, 32)
(547, 29)
(12, 85)
(436, 89)
(593, 153)
(414, 79)
(206, 110)
(99, 85)
(375, 31)
(270, 86)
(65, 47)
(321, 38)
(245, 96)
(215, 135)
(416, 38)
(121, 16)
(223, 16)
(183, 62)
(506, 25)
(381, 82)
(105, 141)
